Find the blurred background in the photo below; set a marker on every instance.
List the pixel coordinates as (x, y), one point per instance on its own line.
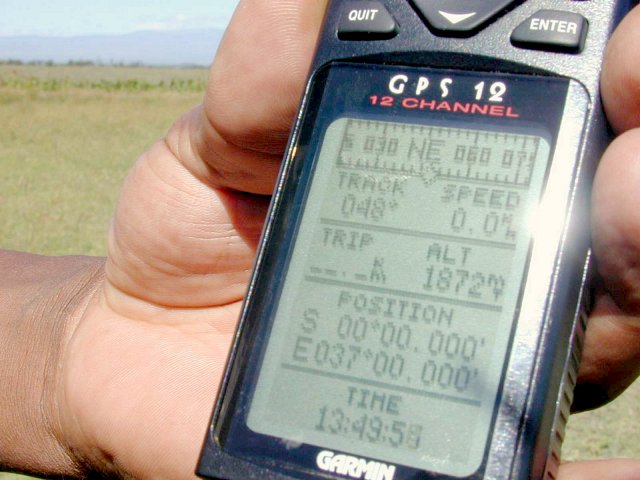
(86, 87)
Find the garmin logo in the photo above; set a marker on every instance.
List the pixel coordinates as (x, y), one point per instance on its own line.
(354, 467)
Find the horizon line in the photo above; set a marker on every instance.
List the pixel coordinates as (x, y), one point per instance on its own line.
(115, 34)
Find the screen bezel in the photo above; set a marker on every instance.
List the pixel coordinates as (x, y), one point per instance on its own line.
(274, 256)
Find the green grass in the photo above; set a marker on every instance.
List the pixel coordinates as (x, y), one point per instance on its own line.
(111, 79)
(68, 136)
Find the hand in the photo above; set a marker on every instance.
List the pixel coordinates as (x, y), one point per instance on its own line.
(145, 343)
(144, 362)
(612, 352)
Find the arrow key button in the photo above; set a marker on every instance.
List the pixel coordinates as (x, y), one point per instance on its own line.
(455, 18)
(459, 18)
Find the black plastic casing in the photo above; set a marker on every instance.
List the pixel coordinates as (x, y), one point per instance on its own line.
(540, 423)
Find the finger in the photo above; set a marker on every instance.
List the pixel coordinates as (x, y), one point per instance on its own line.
(255, 87)
(610, 362)
(616, 220)
(611, 357)
(621, 76)
(610, 469)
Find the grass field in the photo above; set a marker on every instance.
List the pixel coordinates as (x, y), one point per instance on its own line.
(68, 135)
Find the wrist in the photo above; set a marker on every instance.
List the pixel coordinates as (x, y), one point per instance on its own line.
(41, 300)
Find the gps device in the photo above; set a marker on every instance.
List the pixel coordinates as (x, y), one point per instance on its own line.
(419, 298)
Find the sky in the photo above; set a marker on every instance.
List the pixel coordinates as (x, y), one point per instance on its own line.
(106, 17)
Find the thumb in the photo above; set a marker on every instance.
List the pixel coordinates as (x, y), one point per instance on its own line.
(183, 235)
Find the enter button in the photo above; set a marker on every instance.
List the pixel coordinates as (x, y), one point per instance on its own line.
(553, 30)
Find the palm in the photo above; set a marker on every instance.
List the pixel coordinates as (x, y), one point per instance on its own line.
(146, 359)
(142, 393)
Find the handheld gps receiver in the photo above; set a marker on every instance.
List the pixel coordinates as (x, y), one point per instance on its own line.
(419, 298)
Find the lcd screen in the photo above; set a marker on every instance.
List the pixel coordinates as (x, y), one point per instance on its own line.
(393, 326)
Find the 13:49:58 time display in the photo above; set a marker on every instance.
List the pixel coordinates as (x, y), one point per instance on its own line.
(370, 428)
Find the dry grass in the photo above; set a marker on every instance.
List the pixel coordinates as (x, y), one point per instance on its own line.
(611, 431)
(64, 153)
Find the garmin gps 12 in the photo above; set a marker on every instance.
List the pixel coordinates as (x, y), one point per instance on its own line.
(419, 298)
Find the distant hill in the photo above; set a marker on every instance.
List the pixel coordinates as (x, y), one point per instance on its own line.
(154, 48)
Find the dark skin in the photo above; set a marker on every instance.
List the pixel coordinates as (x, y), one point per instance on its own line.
(112, 365)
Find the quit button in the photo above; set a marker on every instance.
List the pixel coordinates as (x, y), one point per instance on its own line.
(366, 20)
(552, 30)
